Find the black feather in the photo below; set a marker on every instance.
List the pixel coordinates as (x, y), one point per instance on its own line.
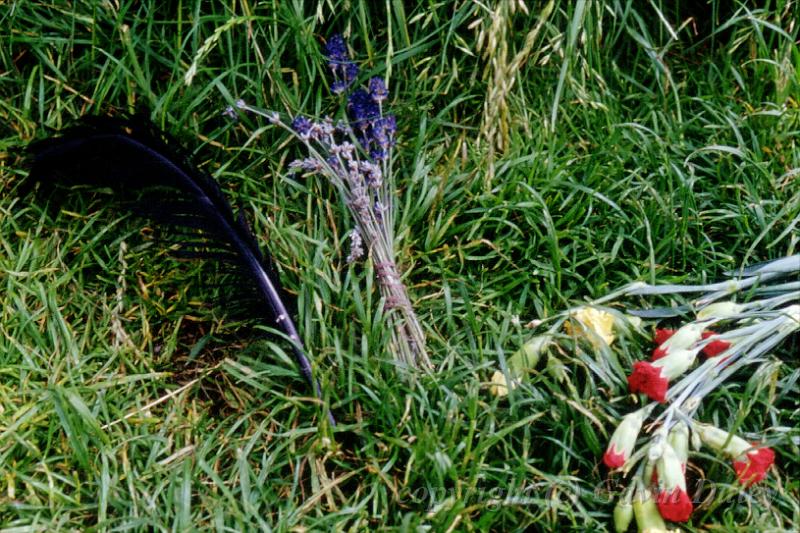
(133, 159)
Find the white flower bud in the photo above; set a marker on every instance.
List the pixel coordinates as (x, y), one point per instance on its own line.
(670, 470)
(684, 337)
(721, 440)
(697, 442)
(655, 451)
(676, 362)
(624, 437)
(679, 440)
(719, 310)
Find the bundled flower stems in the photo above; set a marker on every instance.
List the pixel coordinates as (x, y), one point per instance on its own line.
(719, 337)
(355, 156)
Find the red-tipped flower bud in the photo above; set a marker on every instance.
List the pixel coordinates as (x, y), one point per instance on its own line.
(623, 440)
(673, 502)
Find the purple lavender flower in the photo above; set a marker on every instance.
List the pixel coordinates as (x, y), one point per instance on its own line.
(362, 108)
(301, 125)
(353, 154)
(350, 71)
(389, 125)
(378, 154)
(336, 49)
(309, 164)
(373, 176)
(344, 69)
(374, 132)
(230, 113)
(383, 130)
(356, 247)
(378, 90)
(333, 162)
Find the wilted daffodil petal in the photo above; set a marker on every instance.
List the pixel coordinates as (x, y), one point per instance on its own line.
(591, 324)
(499, 386)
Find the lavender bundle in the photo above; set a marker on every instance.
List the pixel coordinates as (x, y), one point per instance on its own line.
(730, 335)
(355, 155)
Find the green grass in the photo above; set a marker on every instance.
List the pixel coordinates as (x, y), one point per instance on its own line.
(639, 149)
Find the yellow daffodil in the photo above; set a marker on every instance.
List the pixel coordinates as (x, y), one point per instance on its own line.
(594, 325)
